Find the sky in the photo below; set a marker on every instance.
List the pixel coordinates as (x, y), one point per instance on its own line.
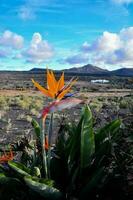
(66, 33)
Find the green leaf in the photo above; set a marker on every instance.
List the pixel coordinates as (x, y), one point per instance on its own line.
(70, 132)
(8, 180)
(87, 138)
(102, 153)
(74, 144)
(94, 182)
(104, 139)
(19, 168)
(108, 132)
(3, 178)
(36, 128)
(43, 189)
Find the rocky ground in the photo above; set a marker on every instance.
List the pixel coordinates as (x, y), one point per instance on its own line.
(20, 101)
(16, 111)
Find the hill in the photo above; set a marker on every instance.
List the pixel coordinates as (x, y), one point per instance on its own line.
(123, 72)
(92, 70)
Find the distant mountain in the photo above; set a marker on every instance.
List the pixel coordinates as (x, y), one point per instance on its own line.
(37, 70)
(123, 72)
(90, 69)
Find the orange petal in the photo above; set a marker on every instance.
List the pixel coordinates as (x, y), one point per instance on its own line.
(63, 93)
(55, 82)
(50, 81)
(53, 76)
(66, 90)
(61, 82)
(42, 89)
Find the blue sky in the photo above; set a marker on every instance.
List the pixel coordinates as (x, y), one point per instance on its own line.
(65, 33)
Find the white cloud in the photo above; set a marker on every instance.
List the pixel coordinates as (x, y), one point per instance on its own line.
(122, 1)
(12, 40)
(85, 47)
(126, 33)
(112, 49)
(30, 8)
(12, 46)
(26, 13)
(39, 50)
(108, 42)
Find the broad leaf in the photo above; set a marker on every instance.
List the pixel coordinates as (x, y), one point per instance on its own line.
(43, 189)
(108, 132)
(104, 139)
(87, 138)
(93, 183)
(74, 144)
(8, 180)
(36, 128)
(19, 168)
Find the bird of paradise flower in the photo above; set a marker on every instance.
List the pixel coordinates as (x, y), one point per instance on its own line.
(56, 90)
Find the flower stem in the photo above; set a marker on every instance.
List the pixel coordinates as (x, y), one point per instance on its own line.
(50, 133)
(44, 155)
